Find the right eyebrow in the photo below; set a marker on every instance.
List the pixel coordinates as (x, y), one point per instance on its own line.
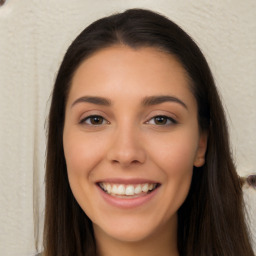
(92, 99)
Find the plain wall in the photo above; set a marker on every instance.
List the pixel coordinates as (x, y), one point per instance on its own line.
(34, 35)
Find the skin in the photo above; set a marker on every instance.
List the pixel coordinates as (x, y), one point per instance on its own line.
(130, 143)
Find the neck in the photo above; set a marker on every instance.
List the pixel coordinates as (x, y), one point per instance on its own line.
(163, 242)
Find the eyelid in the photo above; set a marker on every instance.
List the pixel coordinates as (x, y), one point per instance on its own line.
(85, 113)
(83, 120)
(172, 121)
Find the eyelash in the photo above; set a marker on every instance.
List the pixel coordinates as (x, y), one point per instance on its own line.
(83, 121)
(167, 120)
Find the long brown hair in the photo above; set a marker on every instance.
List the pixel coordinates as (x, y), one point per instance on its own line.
(211, 220)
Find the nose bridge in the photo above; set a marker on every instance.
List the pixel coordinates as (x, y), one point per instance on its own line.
(126, 147)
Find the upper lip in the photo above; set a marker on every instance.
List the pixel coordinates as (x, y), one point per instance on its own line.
(127, 181)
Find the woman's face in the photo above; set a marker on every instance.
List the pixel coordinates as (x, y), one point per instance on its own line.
(131, 139)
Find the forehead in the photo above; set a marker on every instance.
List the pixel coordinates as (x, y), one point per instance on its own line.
(121, 70)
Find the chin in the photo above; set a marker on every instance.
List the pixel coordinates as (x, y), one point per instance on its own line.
(132, 229)
(125, 233)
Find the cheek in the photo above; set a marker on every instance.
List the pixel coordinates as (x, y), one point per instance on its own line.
(177, 165)
(176, 153)
(175, 156)
(81, 152)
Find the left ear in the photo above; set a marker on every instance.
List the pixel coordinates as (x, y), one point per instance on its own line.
(201, 150)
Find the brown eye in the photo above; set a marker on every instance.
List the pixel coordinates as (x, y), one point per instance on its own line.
(162, 120)
(94, 120)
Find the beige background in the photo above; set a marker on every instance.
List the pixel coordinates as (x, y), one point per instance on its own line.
(34, 35)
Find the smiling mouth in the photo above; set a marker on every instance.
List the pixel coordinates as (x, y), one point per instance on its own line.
(128, 190)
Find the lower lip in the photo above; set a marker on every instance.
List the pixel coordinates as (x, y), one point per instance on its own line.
(127, 203)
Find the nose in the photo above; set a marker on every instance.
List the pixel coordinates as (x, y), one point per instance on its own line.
(126, 148)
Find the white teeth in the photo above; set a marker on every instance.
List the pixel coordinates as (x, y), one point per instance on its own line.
(114, 189)
(145, 188)
(137, 190)
(104, 186)
(127, 190)
(108, 188)
(121, 190)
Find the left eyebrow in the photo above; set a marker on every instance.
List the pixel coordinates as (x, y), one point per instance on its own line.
(155, 100)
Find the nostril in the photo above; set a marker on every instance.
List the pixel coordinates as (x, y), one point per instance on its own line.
(125, 162)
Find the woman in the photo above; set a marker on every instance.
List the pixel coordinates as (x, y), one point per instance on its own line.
(138, 157)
